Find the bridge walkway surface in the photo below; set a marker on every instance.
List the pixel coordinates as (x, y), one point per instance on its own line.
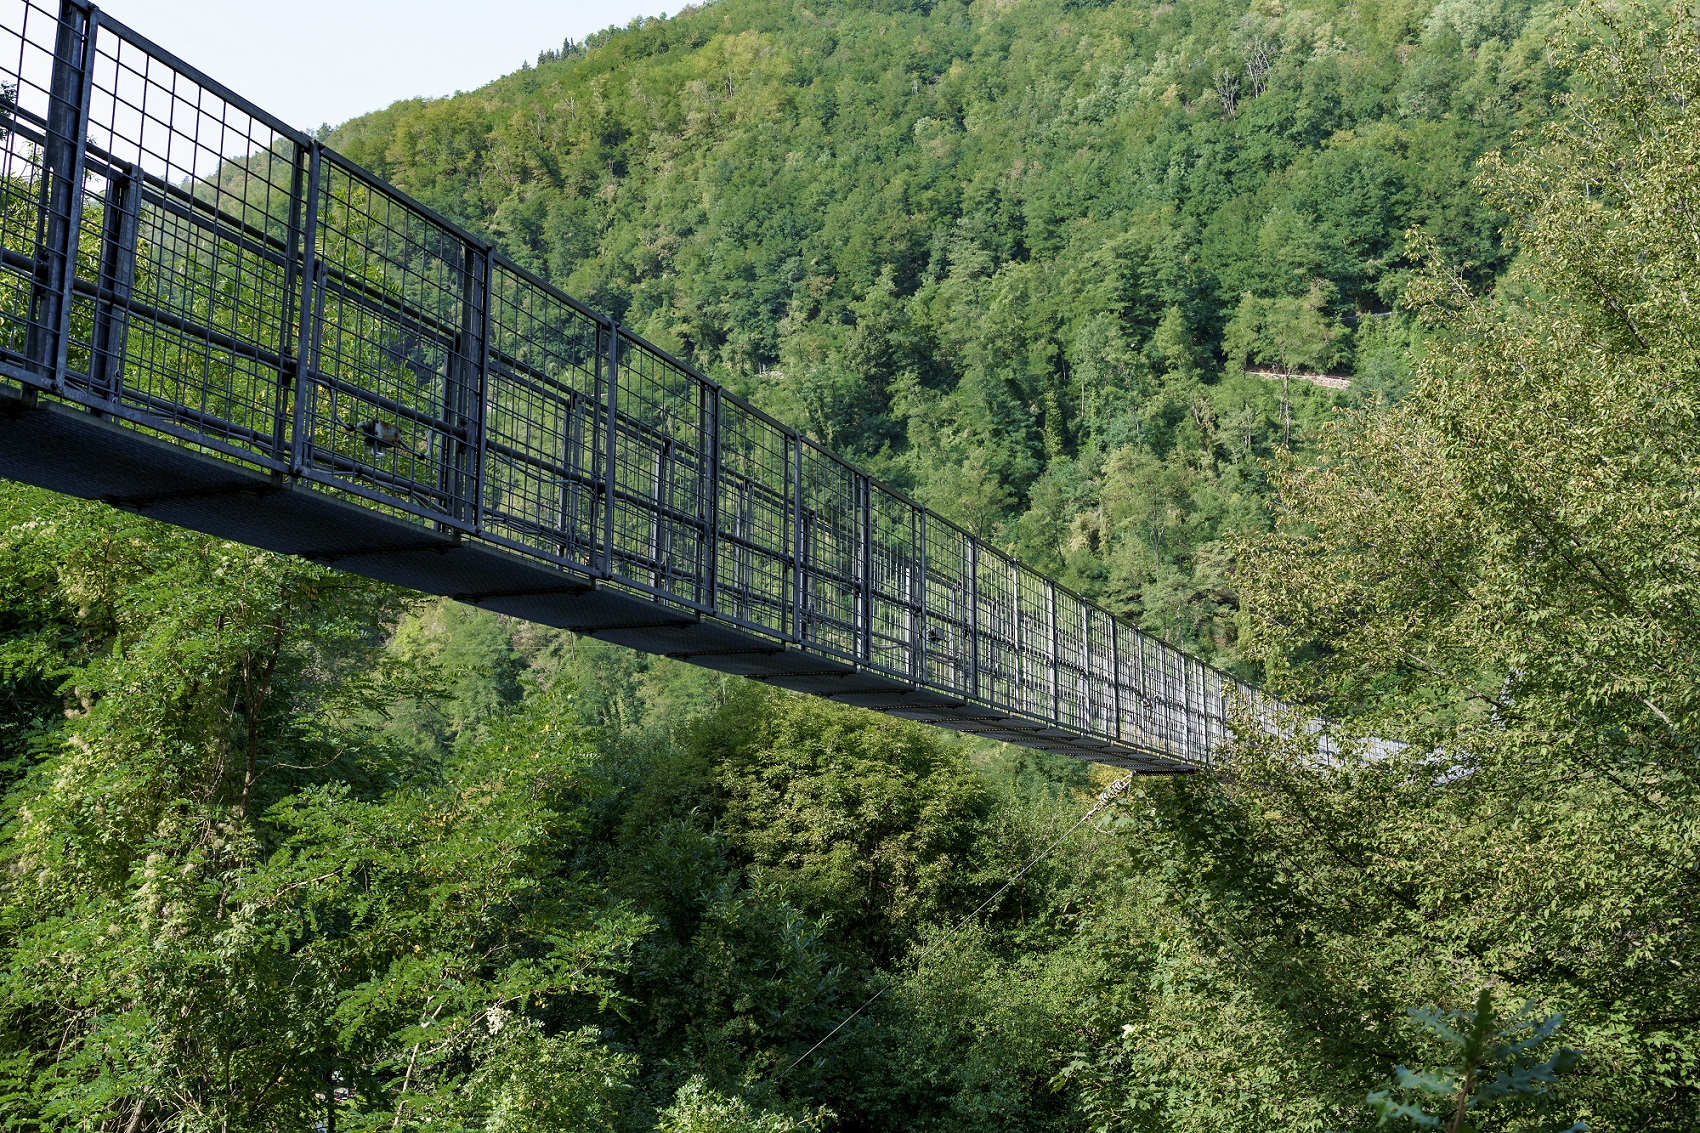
(209, 318)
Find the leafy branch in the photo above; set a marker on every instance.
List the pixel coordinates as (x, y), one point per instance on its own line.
(1491, 1064)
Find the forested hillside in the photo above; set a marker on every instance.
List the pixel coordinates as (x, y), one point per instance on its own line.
(1014, 256)
(278, 843)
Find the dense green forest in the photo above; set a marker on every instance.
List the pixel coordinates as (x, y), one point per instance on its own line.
(1016, 257)
(278, 841)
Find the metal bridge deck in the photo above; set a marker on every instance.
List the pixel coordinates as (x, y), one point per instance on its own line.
(211, 319)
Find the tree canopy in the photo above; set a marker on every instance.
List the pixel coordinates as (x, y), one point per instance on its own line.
(1001, 252)
(278, 844)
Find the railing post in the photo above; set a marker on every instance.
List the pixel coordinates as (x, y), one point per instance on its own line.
(1018, 649)
(289, 324)
(119, 227)
(797, 580)
(1115, 678)
(1051, 632)
(711, 549)
(745, 565)
(865, 567)
(48, 341)
(974, 616)
(463, 393)
(1090, 701)
(1218, 714)
(610, 477)
(1083, 680)
(1163, 700)
(1157, 703)
(1171, 733)
(310, 322)
(481, 403)
(1194, 717)
(918, 597)
(566, 506)
(661, 493)
(1149, 712)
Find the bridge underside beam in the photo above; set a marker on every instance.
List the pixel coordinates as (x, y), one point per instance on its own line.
(81, 454)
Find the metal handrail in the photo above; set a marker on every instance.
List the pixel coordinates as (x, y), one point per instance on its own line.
(300, 313)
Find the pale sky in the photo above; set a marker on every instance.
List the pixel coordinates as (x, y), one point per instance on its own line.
(316, 61)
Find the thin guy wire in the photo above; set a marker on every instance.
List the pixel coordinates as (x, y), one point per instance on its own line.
(1105, 797)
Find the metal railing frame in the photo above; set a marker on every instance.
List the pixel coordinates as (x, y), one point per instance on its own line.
(1181, 722)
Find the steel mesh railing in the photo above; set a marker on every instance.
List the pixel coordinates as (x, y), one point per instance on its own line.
(175, 259)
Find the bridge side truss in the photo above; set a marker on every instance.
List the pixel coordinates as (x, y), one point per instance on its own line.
(209, 317)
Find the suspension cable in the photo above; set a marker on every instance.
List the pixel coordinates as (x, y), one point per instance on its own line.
(1105, 797)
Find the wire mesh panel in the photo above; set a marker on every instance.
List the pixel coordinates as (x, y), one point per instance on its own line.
(396, 369)
(543, 422)
(1146, 710)
(1033, 613)
(755, 544)
(184, 306)
(894, 584)
(40, 88)
(1158, 708)
(946, 643)
(660, 474)
(1074, 703)
(1099, 674)
(1200, 726)
(1134, 725)
(1212, 709)
(831, 544)
(1168, 690)
(998, 649)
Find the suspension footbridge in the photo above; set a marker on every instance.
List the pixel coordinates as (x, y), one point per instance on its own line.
(210, 318)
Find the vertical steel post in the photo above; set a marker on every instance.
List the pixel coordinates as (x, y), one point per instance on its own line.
(463, 393)
(1020, 690)
(481, 403)
(1091, 693)
(1051, 632)
(661, 492)
(1149, 716)
(1187, 689)
(1164, 698)
(1082, 681)
(49, 338)
(741, 553)
(119, 225)
(310, 329)
(796, 537)
(1205, 706)
(1115, 678)
(1175, 685)
(711, 549)
(865, 567)
(85, 97)
(918, 597)
(974, 616)
(610, 476)
(572, 448)
(289, 324)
